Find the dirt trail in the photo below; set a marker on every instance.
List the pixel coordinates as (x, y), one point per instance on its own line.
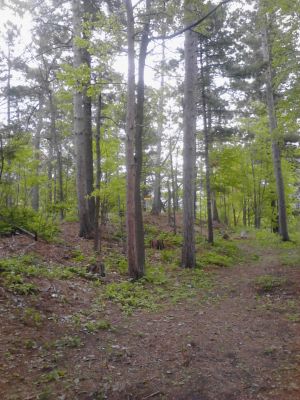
(241, 343)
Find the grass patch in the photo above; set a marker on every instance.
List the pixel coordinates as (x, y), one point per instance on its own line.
(264, 238)
(53, 376)
(156, 275)
(291, 259)
(32, 317)
(212, 258)
(77, 255)
(222, 253)
(71, 342)
(94, 326)
(293, 317)
(268, 283)
(130, 296)
(16, 284)
(13, 271)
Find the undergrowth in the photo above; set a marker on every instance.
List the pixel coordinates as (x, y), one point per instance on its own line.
(30, 220)
(16, 271)
(222, 253)
(268, 283)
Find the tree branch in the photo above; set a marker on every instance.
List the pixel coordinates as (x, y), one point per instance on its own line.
(193, 25)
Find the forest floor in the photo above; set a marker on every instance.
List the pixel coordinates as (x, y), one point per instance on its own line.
(229, 330)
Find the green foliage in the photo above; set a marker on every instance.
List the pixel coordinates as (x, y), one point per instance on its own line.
(94, 326)
(169, 256)
(130, 296)
(30, 344)
(16, 284)
(30, 220)
(13, 271)
(122, 265)
(293, 317)
(223, 253)
(291, 259)
(52, 376)
(169, 238)
(268, 283)
(156, 275)
(46, 394)
(212, 258)
(77, 255)
(68, 341)
(32, 317)
(189, 284)
(266, 238)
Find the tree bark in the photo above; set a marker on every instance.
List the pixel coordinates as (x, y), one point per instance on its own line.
(157, 205)
(210, 232)
(188, 259)
(81, 139)
(139, 143)
(173, 186)
(133, 267)
(35, 199)
(282, 217)
(87, 101)
(56, 144)
(97, 238)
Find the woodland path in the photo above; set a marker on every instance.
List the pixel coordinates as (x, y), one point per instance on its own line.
(241, 342)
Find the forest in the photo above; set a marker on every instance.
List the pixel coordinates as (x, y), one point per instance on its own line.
(149, 199)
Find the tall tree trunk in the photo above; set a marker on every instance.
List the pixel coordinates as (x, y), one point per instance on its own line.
(215, 213)
(188, 259)
(87, 103)
(173, 186)
(35, 199)
(80, 133)
(50, 170)
(157, 204)
(282, 217)
(57, 148)
(244, 212)
(139, 142)
(210, 232)
(97, 238)
(133, 267)
(134, 148)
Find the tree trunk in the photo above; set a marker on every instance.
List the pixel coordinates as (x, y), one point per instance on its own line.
(244, 212)
(282, 217)
(80, 133)
(87, 102)
(210, 232)
(131, 167)
(56, 144)
(35, 199)
(189, 149)
(97, 238)
(157, 204)
(173, 186)
(215, 214)
(140, 250)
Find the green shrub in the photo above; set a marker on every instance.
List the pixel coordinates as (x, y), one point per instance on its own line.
(212, 258)
(16, 284)
(167, 255)
(30, 220)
